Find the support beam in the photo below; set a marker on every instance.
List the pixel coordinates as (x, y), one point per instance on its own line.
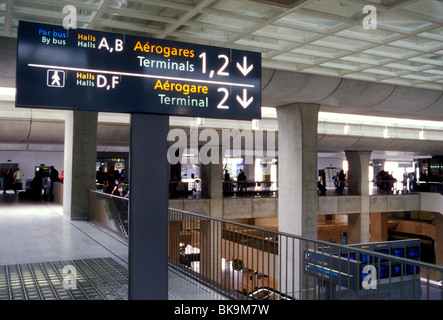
(297, 165)
(358, 173)
(80, 162)
(298, 199)
(358, 184)
(379, 226)
(148, 208)
(210, 231)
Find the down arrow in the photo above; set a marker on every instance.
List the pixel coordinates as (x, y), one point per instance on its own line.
(245, 102)
(244, 69)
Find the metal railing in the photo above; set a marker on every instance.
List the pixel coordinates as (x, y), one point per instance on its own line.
(250, 188)
(198, 188)
(246, 262)
(109, 210)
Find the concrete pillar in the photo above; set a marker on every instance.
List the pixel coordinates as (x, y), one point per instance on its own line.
(210, 231)
(249, 169)
(211, 249)
(379, 226)
(297, 200)
(358, 184)
(358, 173)
(297, 165)
(212, 179)
(438, 239)
(80, 162)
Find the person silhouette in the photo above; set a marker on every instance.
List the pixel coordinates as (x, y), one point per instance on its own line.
(56, 79)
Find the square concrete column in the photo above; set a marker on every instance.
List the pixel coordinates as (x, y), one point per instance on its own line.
(379, 226)
(297, 165)
(358, 173)
(80, 162)
(297, 191)
(212, 179)
(211, 231)
(358, 184)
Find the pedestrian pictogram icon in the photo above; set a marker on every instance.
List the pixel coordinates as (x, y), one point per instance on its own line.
(56, 78)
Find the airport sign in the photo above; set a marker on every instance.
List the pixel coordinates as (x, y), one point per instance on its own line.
(88, 70)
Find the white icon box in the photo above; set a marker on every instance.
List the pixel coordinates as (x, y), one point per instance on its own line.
(55, 78)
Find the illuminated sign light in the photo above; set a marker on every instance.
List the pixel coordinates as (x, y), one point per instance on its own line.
(78, 69)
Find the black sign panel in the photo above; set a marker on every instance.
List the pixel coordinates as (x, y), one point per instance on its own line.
(78, 69)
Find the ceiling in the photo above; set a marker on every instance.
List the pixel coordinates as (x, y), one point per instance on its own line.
(315, 51)
(322, 37)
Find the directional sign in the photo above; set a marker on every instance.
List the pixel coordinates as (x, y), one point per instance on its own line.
(78, 69)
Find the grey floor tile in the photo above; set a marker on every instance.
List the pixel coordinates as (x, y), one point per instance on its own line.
(35, 233)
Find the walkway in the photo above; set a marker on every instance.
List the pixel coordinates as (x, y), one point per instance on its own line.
(39, 246)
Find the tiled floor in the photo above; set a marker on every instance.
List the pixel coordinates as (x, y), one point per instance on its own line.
(32, 233)
(38, 232)
(88, 279)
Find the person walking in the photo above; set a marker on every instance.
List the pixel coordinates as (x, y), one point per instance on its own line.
(17, 180)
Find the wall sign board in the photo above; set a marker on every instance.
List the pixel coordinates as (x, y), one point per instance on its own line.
(79, 69)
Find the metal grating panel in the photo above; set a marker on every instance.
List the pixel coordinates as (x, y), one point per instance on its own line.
(88, 279)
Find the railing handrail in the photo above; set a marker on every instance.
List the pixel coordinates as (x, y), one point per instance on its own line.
(345, 248)
(108, 194)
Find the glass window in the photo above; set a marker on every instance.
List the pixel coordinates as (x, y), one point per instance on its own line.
(308, 22)
(392, 52)
(319, 51)
(341, 9)
(298, 58)
(428, 8)
(199, 34)
(401, 24)
(387, 3)
(264, 43)
(235, 24)
(246, 9)
(341, 43)
(373, 35)
(346, 65)
(289, 34)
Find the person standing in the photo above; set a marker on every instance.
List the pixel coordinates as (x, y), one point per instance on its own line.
(53, 176)
(241, 181)
(342, 180)
(8, 180)
(227, 183)
(17, 180)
